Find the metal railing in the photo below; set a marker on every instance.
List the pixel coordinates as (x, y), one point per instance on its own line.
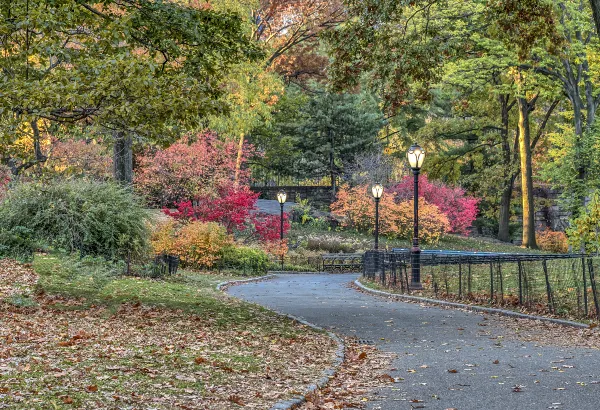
(559, 284)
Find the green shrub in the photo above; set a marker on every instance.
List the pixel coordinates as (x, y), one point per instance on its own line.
(17, 242)
(92, 218)
(245, 260)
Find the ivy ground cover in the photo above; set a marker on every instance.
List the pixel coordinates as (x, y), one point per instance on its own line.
(138, 343)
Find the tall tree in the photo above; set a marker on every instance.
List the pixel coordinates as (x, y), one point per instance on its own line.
(335, 128)
(135, 68)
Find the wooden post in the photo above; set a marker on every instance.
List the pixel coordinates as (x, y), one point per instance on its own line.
(491, 281)
(501, 282)
(459, 280)
(585, 296)
(469, 290)
(593, 283)
(551, 306)
(520, 283)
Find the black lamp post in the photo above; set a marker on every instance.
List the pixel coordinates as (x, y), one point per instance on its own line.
(377, 191)
(416, 156)
(281, 197)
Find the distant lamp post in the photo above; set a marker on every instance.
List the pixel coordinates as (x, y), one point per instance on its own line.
(377, 191)
(281, 198)
(416, 156)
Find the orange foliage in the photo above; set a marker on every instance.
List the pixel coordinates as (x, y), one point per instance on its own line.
(198, 244)
(357, 209)
(276, 248)
(552, 241)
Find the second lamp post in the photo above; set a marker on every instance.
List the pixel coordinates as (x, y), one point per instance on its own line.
(377, 191)
(281, 197)
(416, 156)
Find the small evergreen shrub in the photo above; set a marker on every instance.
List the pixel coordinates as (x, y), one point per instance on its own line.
(245, 259)
(91, 218)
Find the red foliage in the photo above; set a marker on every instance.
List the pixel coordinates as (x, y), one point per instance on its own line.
(460, 209)
(193, 167)
(236, 210)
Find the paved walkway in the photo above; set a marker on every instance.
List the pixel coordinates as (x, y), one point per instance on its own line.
(430, 341)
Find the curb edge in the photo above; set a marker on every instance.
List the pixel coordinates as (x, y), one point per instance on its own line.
(327, 374)
(481, 309)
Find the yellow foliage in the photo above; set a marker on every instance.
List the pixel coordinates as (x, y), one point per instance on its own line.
(198, 244)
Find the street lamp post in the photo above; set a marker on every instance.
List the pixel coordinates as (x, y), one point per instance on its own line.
(377, 191)
(281, 197)
(416, 156)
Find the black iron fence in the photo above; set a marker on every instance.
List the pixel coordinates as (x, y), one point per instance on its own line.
(559, 284)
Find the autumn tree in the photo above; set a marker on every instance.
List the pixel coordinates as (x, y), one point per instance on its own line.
(134, 69)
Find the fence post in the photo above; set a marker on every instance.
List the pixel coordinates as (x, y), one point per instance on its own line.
(491, 281)
(520, 283)
(585, 296)
(593, 283)
(469, 290)
(551, 306)
(381, 258)
(501, 282)
(459, 280)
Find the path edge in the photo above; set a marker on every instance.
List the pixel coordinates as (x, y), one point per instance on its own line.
(473, 308)
(327, 374)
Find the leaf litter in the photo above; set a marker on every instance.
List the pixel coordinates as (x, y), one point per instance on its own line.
(63, 354)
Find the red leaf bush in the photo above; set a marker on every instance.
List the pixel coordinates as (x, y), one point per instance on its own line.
(235, 209)
(195, 166)
(460, 209)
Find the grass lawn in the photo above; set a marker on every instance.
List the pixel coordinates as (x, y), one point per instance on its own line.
(304, 235)
(76, 340)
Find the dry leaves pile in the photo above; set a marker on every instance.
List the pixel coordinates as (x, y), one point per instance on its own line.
(60, 354)
(363, 370)
(15, 278)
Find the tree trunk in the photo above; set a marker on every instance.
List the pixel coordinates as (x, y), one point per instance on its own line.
(596, 12)
(238, 161)
(526, 175)
(123, 158)
(332, 164)
(504, 218)
(508, 180)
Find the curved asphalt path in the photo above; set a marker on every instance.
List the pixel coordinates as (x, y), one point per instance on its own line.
(429, 341)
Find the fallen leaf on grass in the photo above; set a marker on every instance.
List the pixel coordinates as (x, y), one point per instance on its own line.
(67, 400)
(236, 399)
(92, 388)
